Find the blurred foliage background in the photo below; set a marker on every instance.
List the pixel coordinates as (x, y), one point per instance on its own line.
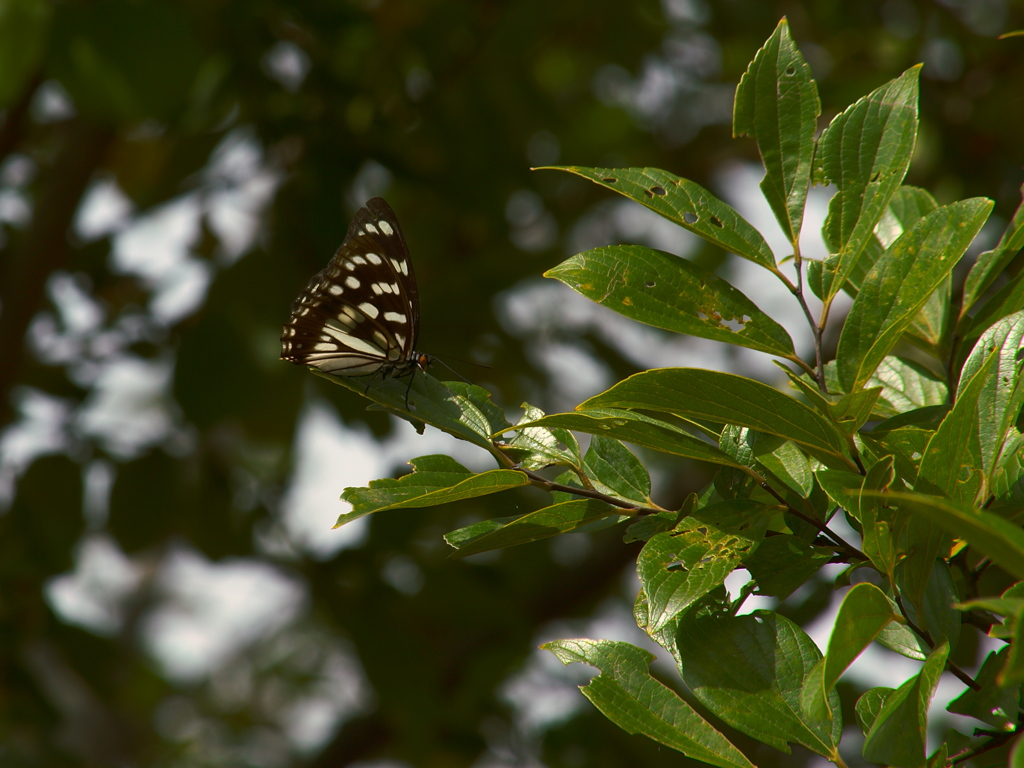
(172, 173)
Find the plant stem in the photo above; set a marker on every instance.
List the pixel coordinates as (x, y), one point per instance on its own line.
(550, 485)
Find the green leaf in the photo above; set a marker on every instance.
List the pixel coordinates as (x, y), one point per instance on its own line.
(725, 398)
(991, 264)
(940, 757)
(907, 205)
(1012, 672)
(673, 293)
(937, 614)
(870, 704)
(649, 525)
(900, 639)
(462, 536)
(24, 29)
(931, 326)
(906, 385)
(615, 471)
(1007, 482)
(1010, 606)
(687, 204)
(749, 671)
(777, 105)
(770, 456)
(865, 153)
(462, 410)
(678, 568)
(897, 735)
(784, 563)
(900, 283)
(542, 524)
(864, 612)
(906, 444)
(638, 429)
(847, 412)
(850, 412)
(627, 695)
(952, 462)
(1006, 606)
(989, 534)
(1010, 609)
(998, 403)
(991, 703)
(882, 530)
(435, 480)
(539, 447)
(923, 543)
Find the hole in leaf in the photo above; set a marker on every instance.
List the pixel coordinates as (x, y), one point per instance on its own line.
(790, 70)
(648, 193)
(659, 190)
(690, 217)
(717, 222)
(735, 324)
(650, 283)
(610, 180)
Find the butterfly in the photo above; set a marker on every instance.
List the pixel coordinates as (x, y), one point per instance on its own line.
(360, 314)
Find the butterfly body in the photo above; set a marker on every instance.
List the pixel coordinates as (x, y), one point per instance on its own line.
(359, 315)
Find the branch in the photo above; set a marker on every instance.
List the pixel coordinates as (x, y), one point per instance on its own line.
(550, 485)
(925, 635)
(837, 540)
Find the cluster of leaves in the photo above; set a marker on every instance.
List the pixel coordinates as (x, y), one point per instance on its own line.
(911, 435)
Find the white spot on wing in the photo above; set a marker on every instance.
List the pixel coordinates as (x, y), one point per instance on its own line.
(351, 314)
(369, 310)
(352, 282)
(395, 317)
(386, 228)
(361, 345)
(346, 322)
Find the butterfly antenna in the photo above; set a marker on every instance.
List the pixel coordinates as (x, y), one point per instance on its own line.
(463, 378)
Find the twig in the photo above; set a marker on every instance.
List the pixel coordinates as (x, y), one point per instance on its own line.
(551, 485)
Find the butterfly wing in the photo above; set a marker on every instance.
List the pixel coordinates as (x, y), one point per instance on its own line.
(360, 314)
